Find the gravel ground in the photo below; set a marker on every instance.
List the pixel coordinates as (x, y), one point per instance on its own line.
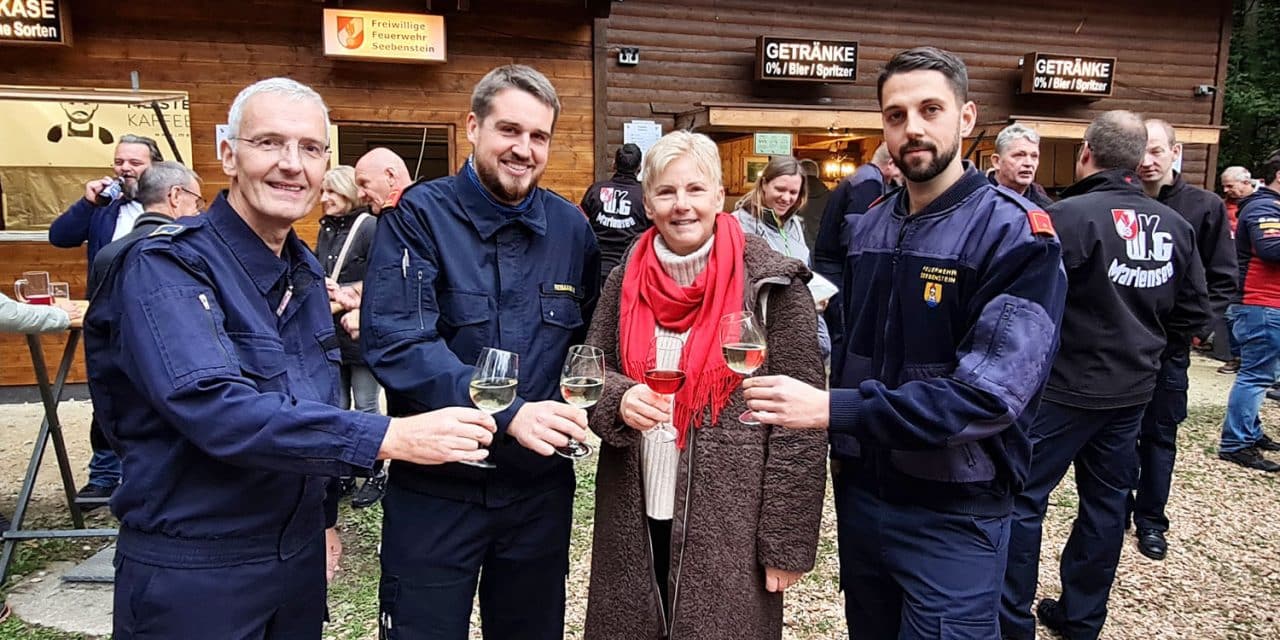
(1221, 579)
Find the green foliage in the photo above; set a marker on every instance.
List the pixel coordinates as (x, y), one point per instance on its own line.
(1251, 103)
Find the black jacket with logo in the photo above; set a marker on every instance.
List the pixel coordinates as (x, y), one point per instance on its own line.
(1208, 216)
(615, 208)
(1134, 282)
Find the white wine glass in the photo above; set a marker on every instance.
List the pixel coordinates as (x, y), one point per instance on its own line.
(664, 374)
(743, 344)
(581, 383)
(493, 386)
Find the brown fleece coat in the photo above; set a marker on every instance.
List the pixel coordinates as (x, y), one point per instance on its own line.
(747, 497)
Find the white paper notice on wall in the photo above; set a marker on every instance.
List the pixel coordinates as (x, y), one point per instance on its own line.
(642, 133)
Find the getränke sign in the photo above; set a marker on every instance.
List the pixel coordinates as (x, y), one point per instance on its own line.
(1059, 74)
(797, 59)
(33, 22)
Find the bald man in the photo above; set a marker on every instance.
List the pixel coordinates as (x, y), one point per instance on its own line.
(381, 175)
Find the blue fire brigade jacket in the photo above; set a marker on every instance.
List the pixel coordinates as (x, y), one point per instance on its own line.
(452, 271)
(214, 367)
(951, 324)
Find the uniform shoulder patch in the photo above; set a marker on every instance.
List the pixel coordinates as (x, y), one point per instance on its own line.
(1039, 220)
(167, 230)
(1041, 223)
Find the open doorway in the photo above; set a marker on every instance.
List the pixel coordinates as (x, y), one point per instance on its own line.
(426, 149)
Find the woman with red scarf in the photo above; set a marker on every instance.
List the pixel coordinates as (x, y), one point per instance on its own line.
(698, 538)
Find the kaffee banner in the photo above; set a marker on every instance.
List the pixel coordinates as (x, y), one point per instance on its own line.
(50, 149)
(84, 134)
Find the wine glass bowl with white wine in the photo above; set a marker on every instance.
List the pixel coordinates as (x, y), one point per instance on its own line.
(581, 383)
(493, 385)
(743, 344)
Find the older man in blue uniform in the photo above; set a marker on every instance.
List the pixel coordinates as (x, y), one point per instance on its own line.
(481, 259)
(954, 293)
(211, 354)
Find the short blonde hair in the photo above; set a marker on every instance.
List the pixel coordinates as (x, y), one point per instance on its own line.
(676, 145)
(342, 181)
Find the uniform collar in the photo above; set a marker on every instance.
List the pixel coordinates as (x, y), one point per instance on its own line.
(971, 180)
(262, 264)
(1109, 180)
(487, 216)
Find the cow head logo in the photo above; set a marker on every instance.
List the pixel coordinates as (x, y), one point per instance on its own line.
(350, 31)
(1126, 223)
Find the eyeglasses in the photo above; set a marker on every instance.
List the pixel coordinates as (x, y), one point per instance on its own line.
(309, 149)
(200, 201)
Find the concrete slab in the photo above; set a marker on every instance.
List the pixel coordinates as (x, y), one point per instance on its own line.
(98, 569)
(44, 599)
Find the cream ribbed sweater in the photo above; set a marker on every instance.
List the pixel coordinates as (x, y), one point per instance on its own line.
(660, 460)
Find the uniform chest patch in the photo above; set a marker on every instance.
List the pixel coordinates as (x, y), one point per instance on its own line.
(934, 280)
(932, 294)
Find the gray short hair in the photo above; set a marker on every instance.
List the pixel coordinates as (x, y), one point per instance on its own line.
(285, 87)
(155, 183)
(1117, 139)
(149, 143)
(1236, 173)
(1012, 134)
(513, 76)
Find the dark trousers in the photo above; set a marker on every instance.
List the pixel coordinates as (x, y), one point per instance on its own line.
(1158, 444)
(271, 600)
(433, 550)
(104, 465)
(1103, 445)
(911, 573)
(660, 534)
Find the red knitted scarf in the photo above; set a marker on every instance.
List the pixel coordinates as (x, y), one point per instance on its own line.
(651, 297)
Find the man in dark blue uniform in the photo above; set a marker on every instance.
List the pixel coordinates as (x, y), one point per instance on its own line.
(852, 197)
(212, 358)
(954, 289)
(1135, 284)
(481, 259)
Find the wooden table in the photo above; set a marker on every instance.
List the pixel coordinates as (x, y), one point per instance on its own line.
(50, 430)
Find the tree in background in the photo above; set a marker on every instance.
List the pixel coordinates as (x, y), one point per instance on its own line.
(1251, 104)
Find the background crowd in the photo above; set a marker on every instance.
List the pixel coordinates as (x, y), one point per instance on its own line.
(950, 342)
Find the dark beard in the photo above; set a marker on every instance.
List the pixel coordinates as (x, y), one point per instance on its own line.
(499, 191)
(941, 160)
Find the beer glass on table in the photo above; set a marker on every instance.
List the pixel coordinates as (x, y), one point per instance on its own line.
(33, 288)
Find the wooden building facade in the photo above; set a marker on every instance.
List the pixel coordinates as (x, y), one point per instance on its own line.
(697, 68)
(213, 50)
(688, 64)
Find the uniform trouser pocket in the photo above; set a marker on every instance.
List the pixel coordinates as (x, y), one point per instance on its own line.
(969, 629)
